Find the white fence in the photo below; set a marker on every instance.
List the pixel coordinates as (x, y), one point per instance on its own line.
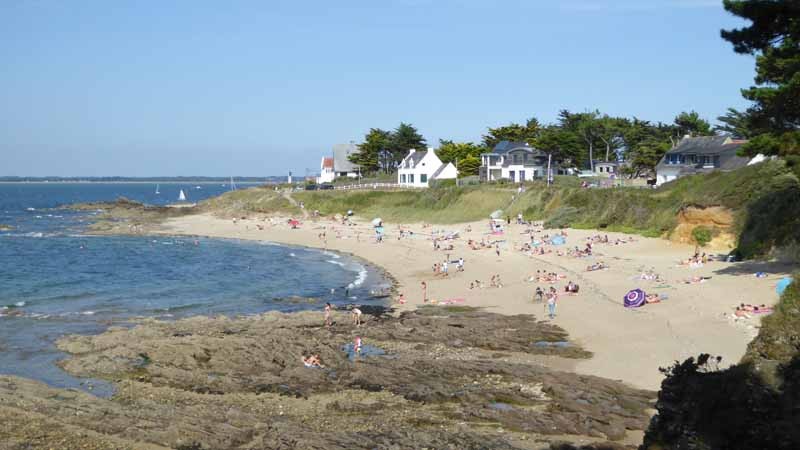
(372, 186)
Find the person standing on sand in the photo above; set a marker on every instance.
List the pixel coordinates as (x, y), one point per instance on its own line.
(328, 309)
(424, 292)
(552, 299)
(497, 249)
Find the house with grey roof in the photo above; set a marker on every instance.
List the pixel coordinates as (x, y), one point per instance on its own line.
(342, 167)
(515, 161)
(700, 154)
(419, 168)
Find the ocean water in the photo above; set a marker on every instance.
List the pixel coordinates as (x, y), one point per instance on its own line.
(56, 281)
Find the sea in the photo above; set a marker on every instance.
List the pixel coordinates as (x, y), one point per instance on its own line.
(55, 280)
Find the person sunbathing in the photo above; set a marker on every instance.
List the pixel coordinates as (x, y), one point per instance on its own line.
(312, 361)
(741, 313)
(596, 266)
(652, 298)
(696, 280)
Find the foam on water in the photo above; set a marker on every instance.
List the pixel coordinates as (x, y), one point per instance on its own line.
(70, 283)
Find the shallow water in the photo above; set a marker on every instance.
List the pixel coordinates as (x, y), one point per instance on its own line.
(54, 281)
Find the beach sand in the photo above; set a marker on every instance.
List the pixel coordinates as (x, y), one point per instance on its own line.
(628, 344)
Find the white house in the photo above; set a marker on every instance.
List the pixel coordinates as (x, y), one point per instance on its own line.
(606, 169)
(418, 168)
(326, 173)
(515, 161)
(700, 154)
(342, 167)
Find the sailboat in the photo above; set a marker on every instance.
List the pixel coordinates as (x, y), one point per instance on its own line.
(157, 191)
(182, 196)
(233, 185)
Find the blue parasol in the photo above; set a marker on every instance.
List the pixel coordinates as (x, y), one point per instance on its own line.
(782, 285)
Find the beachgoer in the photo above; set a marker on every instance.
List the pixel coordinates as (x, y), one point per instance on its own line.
(460, 264)
(357, 345)
(328, 308)
(402, 299)
(497, 249)
(538, 296)
(355, 314)
(424, 286)
(312, 361)
(552, 299)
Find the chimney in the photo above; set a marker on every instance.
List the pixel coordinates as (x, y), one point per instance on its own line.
(410, 151)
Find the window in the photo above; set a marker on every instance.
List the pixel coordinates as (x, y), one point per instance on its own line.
(423, 178)
(521, 175)
(673, 159)
(707, 161)
(403, 178)
(411, 178)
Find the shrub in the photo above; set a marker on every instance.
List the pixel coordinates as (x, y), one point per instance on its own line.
(702, 235)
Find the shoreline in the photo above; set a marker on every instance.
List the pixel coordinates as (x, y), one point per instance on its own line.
(629, 345)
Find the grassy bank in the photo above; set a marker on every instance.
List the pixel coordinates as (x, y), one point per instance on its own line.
(764, 200)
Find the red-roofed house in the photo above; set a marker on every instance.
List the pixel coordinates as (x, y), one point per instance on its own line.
(326, 173)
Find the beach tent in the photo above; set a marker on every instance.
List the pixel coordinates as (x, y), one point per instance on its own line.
(635, 298)
(783, 284)
(558, 240)
(294, 223)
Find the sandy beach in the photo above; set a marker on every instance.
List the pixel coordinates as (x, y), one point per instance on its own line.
(628, 344)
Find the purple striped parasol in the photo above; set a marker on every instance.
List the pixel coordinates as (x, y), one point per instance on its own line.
(635, 298)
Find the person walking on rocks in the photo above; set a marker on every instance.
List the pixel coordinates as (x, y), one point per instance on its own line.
(328, 309)
(355, 313)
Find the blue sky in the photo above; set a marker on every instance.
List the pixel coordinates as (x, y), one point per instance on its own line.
(257, 88)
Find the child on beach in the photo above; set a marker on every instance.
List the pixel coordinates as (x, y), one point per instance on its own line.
(538, 295)
(357, 345)
(355, 314)
(328, 309)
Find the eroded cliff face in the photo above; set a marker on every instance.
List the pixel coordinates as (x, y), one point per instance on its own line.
(450, 378)
(716, 218)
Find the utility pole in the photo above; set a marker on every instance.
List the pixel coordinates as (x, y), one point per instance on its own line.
(549, 176)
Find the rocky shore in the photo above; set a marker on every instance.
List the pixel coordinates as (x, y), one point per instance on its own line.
(124, 216)
(437, 377)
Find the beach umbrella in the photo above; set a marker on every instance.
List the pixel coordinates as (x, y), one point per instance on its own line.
(558, 240)
(783, 284)
(376, 222)
(635, 298)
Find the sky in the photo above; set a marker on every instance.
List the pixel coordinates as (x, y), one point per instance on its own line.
(255, 88)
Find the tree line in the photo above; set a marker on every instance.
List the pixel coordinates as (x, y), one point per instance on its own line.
(771, 124)
(575, 139)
